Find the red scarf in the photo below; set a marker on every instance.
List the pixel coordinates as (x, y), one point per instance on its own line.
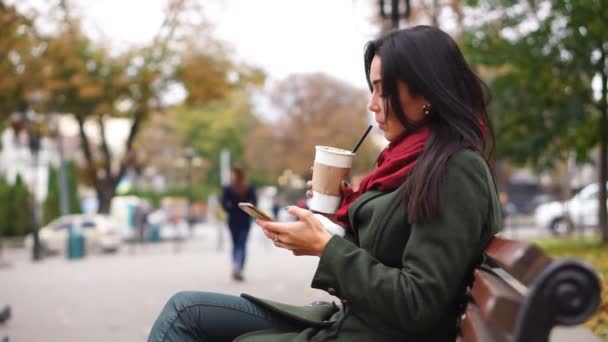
(394, 165)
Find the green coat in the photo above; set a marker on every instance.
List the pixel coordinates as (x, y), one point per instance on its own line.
(396, 281)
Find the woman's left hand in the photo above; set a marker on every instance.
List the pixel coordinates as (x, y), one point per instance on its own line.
(304, 237)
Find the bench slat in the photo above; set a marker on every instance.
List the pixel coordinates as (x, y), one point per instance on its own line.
(521, 260)
(474, 329)
(497, 301)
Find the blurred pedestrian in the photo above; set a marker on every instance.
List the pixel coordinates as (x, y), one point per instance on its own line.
(142, 211)
(275, 208)
(5, 313)
(239, 190)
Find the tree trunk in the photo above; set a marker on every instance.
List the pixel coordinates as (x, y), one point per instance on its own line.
(603, 169)
(105, 193)
(105, 186)
(104, 196)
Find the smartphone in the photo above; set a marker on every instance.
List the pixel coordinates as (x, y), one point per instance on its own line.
(254, 212)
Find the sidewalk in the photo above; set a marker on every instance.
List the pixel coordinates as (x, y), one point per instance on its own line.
(117, 297)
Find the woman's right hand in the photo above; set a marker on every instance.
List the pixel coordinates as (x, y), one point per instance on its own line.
(309, 189)
(309, 184)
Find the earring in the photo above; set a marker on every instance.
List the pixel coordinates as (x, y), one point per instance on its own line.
(426, 109)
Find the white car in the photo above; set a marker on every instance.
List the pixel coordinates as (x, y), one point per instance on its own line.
(579, 211)
(100, 232)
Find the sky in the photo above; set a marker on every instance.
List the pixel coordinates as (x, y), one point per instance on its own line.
(281, 36)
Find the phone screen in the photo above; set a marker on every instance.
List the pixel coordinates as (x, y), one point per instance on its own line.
(254, 212)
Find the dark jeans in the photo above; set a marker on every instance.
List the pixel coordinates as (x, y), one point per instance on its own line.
(205, 316)
(239, 236)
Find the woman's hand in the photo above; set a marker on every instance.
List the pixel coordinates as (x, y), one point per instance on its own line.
(345, 188)
(304, 237)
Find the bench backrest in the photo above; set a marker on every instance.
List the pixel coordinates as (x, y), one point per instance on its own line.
(519, 294)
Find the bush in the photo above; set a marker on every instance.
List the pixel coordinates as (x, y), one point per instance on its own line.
(52, 204)
(19, 210)
(5, 200)
(199, 193)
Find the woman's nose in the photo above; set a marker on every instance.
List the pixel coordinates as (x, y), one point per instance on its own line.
(372, 105)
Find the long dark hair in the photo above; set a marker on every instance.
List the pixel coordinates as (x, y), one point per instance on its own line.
(430, 63)
(239, 183)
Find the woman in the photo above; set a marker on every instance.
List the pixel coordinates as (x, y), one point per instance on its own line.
(415, 228)
(239, 190)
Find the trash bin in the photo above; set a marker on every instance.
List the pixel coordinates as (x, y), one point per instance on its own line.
(155, 232)
(76, 243)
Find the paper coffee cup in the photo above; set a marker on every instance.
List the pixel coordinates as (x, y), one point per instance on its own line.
(331, 167)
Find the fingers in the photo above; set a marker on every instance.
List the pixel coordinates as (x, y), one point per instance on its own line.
(270, 235)
(309, 189)
(277, 239)
(280, 244)
(304, 215)
(281, 241)
(273, 227)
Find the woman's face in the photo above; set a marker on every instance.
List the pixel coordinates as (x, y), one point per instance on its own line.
(234, 177)
(413, 106)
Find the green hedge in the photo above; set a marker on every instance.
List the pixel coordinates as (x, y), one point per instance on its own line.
(52, 204)
(15, 208)
(200, 192)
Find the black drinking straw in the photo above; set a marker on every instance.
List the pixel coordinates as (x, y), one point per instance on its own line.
(361, 140)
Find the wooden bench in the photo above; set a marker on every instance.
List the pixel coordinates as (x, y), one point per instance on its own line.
(519, 294)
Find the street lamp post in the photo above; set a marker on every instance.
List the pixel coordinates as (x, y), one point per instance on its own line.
(189, 154)
(395, 13)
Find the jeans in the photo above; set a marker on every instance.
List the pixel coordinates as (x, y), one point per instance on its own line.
(206, 316)
(239, 236)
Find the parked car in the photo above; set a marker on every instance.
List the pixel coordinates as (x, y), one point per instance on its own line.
(579, 211)
(100, 232)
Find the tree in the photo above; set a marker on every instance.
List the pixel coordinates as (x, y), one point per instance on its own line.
(83, 79)
(20, 205)
(220, 124)
(5, 198)
(317, 109)
(52, 207)
(543, 57)
(20, 49)
(217, 112)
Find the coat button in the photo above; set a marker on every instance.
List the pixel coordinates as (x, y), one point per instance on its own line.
(331, 291)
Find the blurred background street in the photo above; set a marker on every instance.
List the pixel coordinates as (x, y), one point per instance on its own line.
(120, 122)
